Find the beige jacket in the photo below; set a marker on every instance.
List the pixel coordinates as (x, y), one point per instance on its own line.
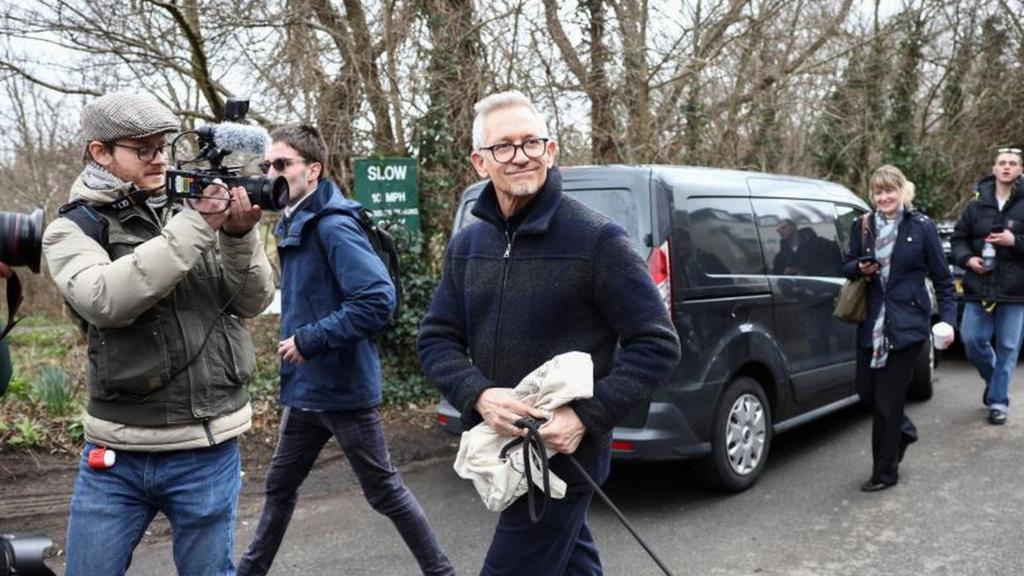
(113, 294)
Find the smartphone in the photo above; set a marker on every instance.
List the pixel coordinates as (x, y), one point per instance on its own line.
(997, 229)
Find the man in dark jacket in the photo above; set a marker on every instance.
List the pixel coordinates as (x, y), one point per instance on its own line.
(988, 243)
(540, 275)
(335, 295)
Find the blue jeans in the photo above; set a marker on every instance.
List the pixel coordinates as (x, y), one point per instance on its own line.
(361, 436)
(994, 363)
(196, 489)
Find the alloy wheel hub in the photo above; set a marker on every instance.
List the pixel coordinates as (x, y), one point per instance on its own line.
(745, 434)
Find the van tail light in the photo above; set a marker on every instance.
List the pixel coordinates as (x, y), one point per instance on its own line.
(623, 446)
(658, 266)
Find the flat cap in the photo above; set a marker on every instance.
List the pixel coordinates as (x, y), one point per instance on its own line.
(123, 115)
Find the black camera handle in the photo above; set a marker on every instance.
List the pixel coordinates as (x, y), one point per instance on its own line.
(14, 300)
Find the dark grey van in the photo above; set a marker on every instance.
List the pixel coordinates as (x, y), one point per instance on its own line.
(749, 265)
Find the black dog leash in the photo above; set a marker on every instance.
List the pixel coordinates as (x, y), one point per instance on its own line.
(532, 439)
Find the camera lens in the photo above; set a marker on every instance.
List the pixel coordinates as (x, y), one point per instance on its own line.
(23, 554)
(21, 239)
(270, 193)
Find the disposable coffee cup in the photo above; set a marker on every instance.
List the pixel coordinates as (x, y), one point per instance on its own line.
(942, 335)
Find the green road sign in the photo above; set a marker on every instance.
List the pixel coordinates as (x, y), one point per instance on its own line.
(389, 187)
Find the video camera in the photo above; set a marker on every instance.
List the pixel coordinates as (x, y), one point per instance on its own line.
(21, 239)
(22, 555)
(216, 141)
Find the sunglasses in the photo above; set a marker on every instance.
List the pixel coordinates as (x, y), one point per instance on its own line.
(1008, 151)
(278, 164)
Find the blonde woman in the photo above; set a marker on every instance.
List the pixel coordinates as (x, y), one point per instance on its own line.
(901, 248)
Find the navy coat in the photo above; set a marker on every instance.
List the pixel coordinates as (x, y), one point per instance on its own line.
(335, 295)
(565, 279)
(916, 254)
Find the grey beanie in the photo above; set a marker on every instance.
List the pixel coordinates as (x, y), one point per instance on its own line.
(124, 115)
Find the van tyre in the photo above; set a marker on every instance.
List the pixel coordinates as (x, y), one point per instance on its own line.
(924, 372)
(741, 437)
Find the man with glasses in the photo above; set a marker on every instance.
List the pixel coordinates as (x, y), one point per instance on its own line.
(160, 289)
(335, 296)
(988, 243)
(540, 275)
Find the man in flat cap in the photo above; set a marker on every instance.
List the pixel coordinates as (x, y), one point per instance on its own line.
(160, 289)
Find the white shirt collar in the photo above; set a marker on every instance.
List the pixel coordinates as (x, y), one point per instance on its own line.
(293, 207)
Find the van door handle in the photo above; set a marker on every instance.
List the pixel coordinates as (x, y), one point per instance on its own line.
(736, 310)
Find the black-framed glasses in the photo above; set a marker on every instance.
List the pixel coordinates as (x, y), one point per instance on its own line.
(145, 153)
(279, 164)
(506, 152)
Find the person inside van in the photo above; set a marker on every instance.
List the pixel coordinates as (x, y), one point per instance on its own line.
(901, 248)
(786, 262)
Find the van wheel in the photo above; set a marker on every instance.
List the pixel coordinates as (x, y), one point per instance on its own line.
(741, 437)
(924, 371)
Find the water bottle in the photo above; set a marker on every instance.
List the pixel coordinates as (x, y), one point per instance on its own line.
(988, 257)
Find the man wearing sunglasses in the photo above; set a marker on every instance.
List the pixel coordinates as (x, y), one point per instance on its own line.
(988, 243)
(335, 296)
(541, 275)
(160, 290)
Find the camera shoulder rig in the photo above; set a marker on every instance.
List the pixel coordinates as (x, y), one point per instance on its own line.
(89, 220)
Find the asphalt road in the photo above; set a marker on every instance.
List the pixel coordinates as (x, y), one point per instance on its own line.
(957, 510)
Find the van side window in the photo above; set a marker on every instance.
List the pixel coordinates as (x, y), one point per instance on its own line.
(799, 237)
(723, 239)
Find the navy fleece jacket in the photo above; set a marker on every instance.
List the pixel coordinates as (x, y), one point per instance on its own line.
(566, 278)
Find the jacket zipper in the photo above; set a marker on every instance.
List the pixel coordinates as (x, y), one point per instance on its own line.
(156, 225)
(501, 302)
(996, 280)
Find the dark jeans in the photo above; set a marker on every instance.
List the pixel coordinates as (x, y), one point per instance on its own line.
(884, 392)
(303, 435)
(559, 545)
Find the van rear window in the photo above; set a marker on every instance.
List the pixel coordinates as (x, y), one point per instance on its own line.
(618, 204)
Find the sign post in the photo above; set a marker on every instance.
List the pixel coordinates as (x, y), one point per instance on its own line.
(389, 187)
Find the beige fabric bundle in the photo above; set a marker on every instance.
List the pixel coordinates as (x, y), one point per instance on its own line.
(500, 482)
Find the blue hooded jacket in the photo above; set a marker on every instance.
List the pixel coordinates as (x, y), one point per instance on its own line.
(335, 295)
